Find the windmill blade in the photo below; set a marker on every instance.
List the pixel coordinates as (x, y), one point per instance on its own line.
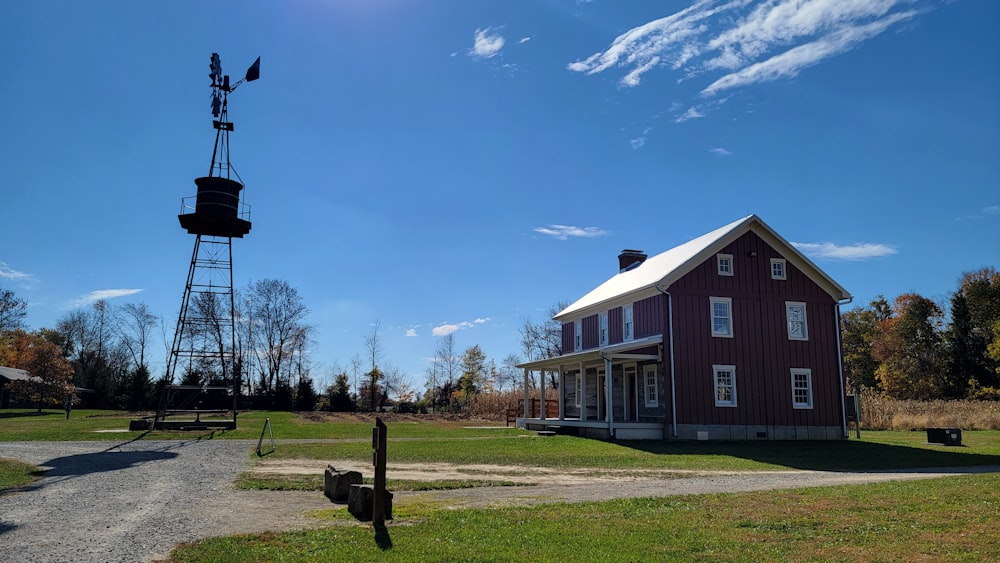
(253, 73)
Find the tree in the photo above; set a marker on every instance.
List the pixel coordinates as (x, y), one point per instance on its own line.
(373, 345)
(278, 331)
(339, 395)
(50, 373)
(305, 395)
(966, 349)
(135, 329)
(473, 371)
(858, 329)
(12, 311)
(446, 366)
(981, 292)
(509, 376)
(543, 340)
(100, 361)
(909, 347)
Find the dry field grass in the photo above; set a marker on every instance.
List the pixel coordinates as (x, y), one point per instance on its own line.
(882, 413)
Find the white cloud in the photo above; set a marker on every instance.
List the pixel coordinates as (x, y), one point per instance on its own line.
(411, 332)
(637, 143)
(719, 151)
(861, 251)
(691, 113)
(747, 41)
(524, 40)
(8, 273)
(487, 44)
(449, 328)
(991, 210)
(563, 232)
(95, 296)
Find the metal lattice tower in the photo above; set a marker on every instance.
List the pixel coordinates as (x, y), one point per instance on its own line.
(205, 336)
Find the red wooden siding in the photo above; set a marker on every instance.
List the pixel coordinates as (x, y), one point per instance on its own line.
(648, 316)
(591, 332)
(568, 332)
(615, 325)
(760, 348)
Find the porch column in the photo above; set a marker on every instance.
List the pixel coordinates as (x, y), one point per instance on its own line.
(526, 404)
(608, 406)
(541, 394)
(581, 393)
(562, 394)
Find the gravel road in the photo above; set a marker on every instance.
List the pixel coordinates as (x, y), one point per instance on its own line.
(102, 502)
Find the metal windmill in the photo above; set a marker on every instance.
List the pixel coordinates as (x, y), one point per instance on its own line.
(205, 337)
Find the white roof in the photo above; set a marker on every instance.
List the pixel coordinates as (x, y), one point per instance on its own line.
(14, 374)
(659, 271)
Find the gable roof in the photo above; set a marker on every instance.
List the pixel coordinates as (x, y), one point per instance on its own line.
(658, 272)
(14, 374)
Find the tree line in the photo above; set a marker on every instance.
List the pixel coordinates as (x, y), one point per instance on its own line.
(910, 348)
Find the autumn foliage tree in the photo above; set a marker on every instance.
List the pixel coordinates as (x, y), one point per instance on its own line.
(908, 347)
(51, 374)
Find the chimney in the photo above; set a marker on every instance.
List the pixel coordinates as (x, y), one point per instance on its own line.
(629, 259)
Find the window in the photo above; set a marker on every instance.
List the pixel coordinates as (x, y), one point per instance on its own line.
(627, 332)
(802, 392)
(722, 316)
(725, 264)
(649, 376)
(604, 329)
(579, 389)
(777, 268)
(577, 335)
(795, 312)
(725, 386)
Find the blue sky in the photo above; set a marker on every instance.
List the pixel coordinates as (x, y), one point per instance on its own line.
(459, 166)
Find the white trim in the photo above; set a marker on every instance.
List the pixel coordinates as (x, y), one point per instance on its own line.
(728, 301)
(808, 403)
(716, 368)
(651, 394)
(803, 324)
(724, 264)
(602, 339)
(784, 269)
(628, 323)
(578, 335)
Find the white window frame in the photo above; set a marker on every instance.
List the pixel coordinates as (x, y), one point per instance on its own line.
(650, 380)
(808, 403)
(603, 338)
(715, 383)
(578, 335)
(784, 269)
(724, 264)
(792, 334)
(628, 323)
(728, 302)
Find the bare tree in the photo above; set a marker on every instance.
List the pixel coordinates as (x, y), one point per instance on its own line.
(277, 316)
(509, 377)
(136, 326)
(373, 346)
(543, 340)
(447, 366)
(12, 311)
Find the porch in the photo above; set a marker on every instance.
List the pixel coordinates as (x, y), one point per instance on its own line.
(610, 392)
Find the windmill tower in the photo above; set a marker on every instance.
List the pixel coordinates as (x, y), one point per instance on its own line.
(205, 337)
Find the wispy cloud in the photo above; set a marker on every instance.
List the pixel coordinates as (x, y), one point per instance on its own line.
(524, 40)
(637, 143)
(988, 211)
(449, 328)
(411, 332)
(95, 296)
(8, 273)
(563, 232)
(746, 42)
(487, 44)
(719, 151)
(861, 251)
(991, 210)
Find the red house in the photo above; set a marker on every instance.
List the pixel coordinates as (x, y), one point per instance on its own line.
(733, 335)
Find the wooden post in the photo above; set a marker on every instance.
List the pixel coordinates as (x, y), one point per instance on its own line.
(378, 460)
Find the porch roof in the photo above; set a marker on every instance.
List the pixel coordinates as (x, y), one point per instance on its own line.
(597, 355)
(14, 374)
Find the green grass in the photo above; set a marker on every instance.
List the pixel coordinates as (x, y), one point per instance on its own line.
(51, 425)
(877, 450)
(14, 474)
(938, 519)
(269, 482)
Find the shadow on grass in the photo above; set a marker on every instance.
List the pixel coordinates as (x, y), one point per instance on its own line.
(837, 455)
(382, 538)
(29, 413)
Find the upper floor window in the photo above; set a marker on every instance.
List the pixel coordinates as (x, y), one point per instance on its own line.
(627, 325)
(578, 335)
(802, 393)
(722, 316)
(725, 385)
(649, 377)
(603, 340)
(777, 268)
(795, 312)
(725, 264)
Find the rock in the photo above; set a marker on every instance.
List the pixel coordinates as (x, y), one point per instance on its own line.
(361, 500)
(337, 484)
